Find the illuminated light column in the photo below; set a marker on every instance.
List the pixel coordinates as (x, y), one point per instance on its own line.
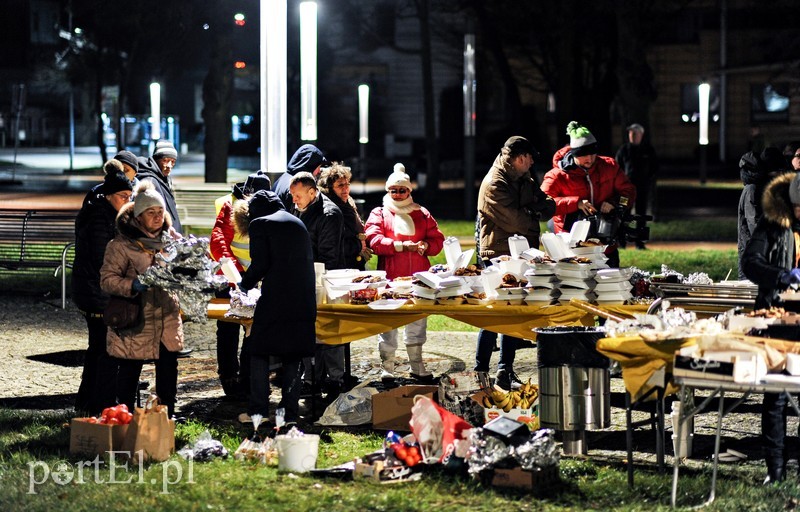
(469, 88)
(363, 114)
(273, 85)
(704, 93)
(155, 111)
(308, 70)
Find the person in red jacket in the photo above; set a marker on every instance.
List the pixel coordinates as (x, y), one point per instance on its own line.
(403, 234)
(585, 184)
(226, 242)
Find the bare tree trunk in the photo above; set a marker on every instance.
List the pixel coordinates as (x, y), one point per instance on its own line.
(432, 149)
(217, 91)
(637, 90)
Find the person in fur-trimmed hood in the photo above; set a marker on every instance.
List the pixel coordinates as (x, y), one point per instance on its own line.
(159, 333)
(770, 261)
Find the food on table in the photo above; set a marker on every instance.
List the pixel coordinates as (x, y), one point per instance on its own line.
(367, 279)
(469, 270)
(590, 242)
(577, 260)
(772, 312)
(439, 268)
(476, 295)
(511, 281)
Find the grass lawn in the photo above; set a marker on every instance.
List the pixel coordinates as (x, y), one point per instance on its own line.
(37, 473)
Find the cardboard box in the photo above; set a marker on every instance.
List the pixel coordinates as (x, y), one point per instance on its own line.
(95, 438)
(699, 368)
(518, 478)
(529, 416)
(391, 410)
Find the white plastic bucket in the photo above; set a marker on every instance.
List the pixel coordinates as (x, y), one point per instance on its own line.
(297, 454)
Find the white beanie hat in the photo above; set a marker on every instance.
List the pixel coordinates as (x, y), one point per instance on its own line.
(164, 149)
(398, 178)
(146, 197)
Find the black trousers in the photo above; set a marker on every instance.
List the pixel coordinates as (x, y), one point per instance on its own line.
(99, 371)
(130, 370)
(773, 428)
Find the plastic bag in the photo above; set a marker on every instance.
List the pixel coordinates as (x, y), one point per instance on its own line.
(351, 408)
(203, 449)
(436, 429)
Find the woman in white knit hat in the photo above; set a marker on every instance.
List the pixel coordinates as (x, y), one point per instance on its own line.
(403, 234)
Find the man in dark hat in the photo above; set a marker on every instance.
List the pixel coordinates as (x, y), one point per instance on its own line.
(157, 169)
(94, 228)
(638, 159)
(307, 158)
(509, 202)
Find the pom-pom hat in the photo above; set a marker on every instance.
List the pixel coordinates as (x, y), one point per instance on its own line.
(581, 140)
(398, 178)
(146, 197)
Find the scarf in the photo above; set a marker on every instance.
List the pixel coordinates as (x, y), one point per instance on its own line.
(403, 223)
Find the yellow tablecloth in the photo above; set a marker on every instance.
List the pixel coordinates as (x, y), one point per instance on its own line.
(343, 323)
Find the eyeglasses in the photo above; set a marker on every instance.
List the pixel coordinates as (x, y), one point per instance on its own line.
(796, 156)
(398, 191)
(123, 195)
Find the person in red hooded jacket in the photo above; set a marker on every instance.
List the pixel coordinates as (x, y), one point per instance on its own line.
(585, 184)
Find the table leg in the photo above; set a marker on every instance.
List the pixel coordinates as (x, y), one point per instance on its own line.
(629, 437)
(715, 461)
(660, 428)
(676, 460)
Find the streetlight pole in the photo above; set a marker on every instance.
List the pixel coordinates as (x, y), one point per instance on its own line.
(704, 93)
(308, 71)
(363, 130)
(469, 125)
(155, 112)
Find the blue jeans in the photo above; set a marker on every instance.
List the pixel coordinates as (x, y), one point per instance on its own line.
(483, 354)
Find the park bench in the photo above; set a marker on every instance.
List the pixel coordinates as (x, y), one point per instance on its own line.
(195, 203)
(37, 239)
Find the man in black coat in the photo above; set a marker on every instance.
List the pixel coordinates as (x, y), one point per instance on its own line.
(324, 222)
(307, 158)
(285, 315)
(157, 169)
(770, 261)
(94, 228)
(638, 159)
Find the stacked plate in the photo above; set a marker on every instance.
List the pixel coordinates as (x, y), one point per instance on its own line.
(593, 253)
(543, 284)
(576, 280)
(435, 286)
(613, 285)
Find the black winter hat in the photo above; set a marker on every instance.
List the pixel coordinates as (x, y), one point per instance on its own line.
(128, 158)
(517, 145)
(255, 182)
(115, 182)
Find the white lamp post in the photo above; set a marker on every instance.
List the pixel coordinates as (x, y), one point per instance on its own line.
(703, 92)
(273, 85)
(308, 70)
(155, 111)
(363, 114)
(469, 124)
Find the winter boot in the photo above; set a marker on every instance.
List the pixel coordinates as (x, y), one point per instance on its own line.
(418, 371)
(776, 470)
(387, 364)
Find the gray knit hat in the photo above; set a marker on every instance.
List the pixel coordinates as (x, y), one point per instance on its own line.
(146, 197)
(794, 189)
(164, 149)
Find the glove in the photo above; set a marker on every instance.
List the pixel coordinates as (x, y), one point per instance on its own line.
(138, 287)
(365, 254)
(790, 278)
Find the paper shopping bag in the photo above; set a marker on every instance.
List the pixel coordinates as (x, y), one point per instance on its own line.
(151, 434)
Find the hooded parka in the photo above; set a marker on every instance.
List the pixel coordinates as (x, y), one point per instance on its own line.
(772, 247)
(126, 258)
